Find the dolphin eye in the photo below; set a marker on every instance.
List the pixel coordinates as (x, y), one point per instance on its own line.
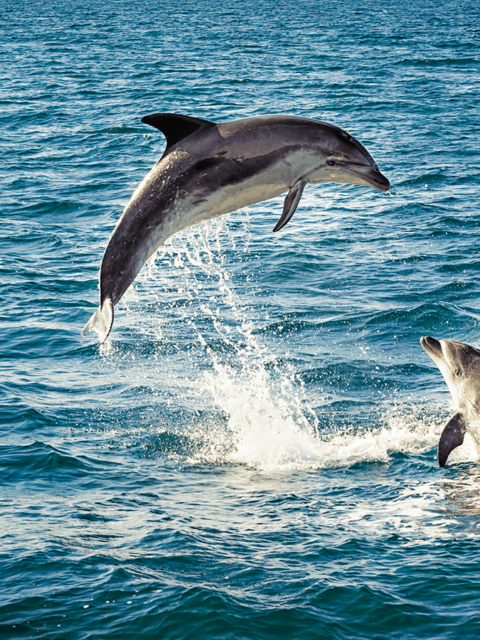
(331, 163)
(457, 372)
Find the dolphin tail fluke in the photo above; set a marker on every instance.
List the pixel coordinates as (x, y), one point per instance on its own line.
(101, 321)
(452, 437)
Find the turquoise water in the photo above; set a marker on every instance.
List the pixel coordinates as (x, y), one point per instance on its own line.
(252, 454)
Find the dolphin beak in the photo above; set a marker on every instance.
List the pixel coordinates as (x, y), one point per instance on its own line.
(431, 345)
(374, 178)
(365, 174)
(380, 181)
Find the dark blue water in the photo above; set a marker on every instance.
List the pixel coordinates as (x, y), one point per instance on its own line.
(252, 454)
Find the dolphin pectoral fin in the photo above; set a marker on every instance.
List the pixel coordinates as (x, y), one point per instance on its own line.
(291, 203)
(452, 437)
(176, 127)
(101, 321)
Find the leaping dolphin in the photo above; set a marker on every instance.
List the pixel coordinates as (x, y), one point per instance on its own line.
(459, 364)
(209, 169)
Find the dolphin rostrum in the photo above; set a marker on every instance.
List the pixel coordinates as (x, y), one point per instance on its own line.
(209, 169)
(459, 364)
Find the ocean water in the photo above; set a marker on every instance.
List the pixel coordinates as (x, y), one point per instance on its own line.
(252, 454)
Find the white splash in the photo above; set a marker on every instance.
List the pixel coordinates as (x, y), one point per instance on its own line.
(270, 434)
(270, 424)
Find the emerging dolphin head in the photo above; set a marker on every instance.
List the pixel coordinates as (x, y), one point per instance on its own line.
(459, 364)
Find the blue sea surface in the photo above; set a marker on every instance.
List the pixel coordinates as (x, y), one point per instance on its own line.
(252, 454)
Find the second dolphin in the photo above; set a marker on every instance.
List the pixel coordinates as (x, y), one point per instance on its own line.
(210, 169)
(460, 366)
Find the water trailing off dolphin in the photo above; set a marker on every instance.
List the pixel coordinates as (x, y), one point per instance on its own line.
(209, 169)
(459, 364)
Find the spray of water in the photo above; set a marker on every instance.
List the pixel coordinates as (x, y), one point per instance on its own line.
(268, 420)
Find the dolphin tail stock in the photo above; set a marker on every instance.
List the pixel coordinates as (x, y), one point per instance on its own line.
(101, 321)
(452, 437)
(291, 204)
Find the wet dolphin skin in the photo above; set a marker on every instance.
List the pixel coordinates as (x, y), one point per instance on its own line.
(209, 169)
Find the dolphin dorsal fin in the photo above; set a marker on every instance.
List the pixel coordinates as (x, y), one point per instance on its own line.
(176, 127)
